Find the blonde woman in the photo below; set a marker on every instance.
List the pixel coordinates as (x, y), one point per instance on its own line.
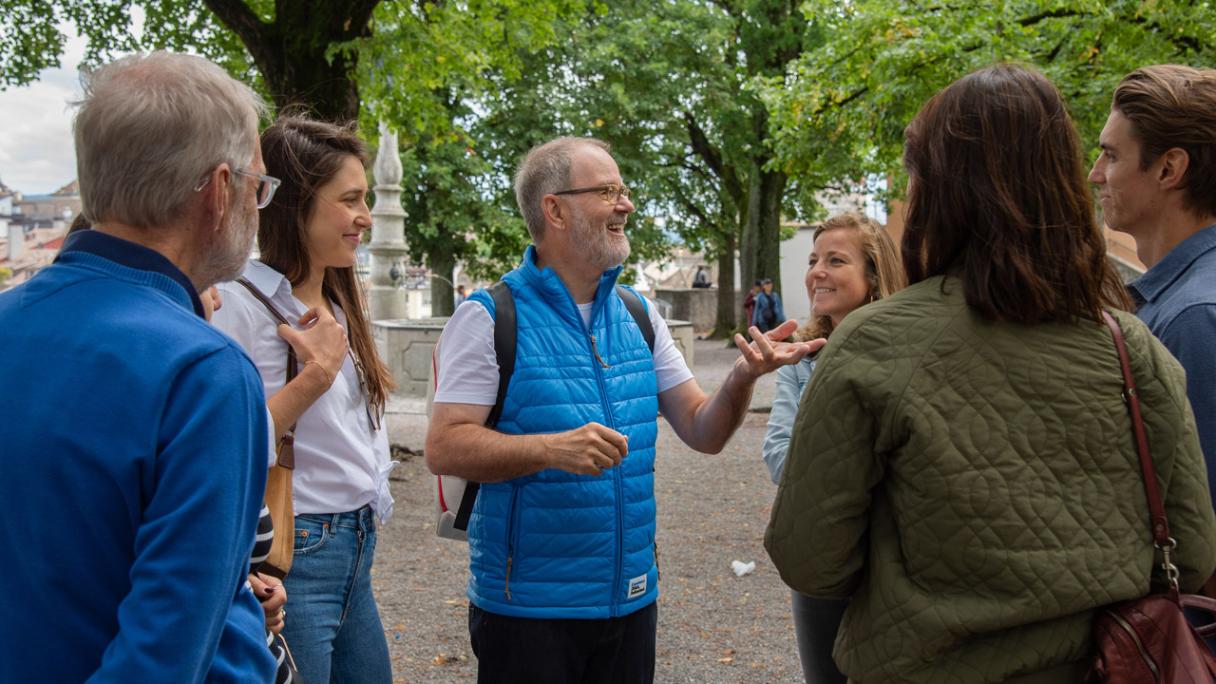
(853, 262)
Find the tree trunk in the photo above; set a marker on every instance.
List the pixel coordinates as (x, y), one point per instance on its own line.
(728, 312)
(291, 51)
(442, 265)
(761, 256)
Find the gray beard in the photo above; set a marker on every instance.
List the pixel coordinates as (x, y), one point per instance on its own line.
(598, 246)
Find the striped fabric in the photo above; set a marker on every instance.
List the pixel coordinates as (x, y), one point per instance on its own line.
(261, 549)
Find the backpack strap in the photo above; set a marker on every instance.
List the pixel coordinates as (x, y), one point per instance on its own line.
(504, 350)
(637, 309)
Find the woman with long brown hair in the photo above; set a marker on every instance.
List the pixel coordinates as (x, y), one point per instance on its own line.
(307, 240)
(962, 467)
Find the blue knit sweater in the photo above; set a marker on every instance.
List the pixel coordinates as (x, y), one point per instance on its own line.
(555, 544)
(133, 452)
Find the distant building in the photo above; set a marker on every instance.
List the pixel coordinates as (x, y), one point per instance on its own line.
(32, 229)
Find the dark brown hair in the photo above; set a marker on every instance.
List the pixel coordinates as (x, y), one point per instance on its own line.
(882, 265)
(1175, 106)
(998, 196)
(305, 155)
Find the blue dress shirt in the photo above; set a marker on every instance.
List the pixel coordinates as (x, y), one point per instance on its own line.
(1177, 299)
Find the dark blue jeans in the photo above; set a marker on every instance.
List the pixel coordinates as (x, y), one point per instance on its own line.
(513, 650)
(332, 625)
(816, 622)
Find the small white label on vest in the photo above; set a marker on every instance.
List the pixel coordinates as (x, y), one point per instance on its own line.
(637, 586)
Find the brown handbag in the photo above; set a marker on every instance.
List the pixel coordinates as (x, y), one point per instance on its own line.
(278, 480)
(1149, 639)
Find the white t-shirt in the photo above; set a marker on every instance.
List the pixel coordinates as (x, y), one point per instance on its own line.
(342, 463)
(468, 368)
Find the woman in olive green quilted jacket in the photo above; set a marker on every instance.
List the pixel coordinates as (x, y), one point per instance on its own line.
(962, 465)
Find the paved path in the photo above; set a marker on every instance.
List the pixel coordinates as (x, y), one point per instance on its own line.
(713, 626)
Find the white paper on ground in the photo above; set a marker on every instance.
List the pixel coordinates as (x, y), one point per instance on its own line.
(742, 568)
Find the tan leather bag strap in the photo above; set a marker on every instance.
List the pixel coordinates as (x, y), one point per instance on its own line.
(285, 450)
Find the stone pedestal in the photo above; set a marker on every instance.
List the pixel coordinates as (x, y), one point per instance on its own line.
(683, 335)
(698, 306)
(387, 245)
(406, 346)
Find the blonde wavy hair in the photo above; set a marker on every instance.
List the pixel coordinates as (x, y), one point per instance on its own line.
(883, 267)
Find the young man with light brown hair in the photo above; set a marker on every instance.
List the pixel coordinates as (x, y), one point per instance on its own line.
(1156, 178)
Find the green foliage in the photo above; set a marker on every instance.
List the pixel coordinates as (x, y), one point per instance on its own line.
(840, 110)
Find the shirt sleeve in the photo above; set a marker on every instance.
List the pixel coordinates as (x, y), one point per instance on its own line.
(781, 421)
(466, 365)
(670, 368)
(1189, 338)
(197, 527)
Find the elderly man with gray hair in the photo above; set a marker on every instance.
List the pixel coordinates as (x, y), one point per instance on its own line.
(562, 536)
(134, 434)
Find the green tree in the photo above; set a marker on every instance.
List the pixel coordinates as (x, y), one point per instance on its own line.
(301, 50)
(841, 108)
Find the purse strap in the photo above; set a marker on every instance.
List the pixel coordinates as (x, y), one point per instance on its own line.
(286, 447)
(1158, 521)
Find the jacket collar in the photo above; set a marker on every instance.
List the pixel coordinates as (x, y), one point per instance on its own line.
(555, 291)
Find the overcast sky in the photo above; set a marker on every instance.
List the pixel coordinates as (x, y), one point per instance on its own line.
(36, 127)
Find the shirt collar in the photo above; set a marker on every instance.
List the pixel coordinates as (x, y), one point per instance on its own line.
(267, 280)
(1162, 275)
(131, 255)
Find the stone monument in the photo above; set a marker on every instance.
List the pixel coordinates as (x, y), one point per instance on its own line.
(387, 245)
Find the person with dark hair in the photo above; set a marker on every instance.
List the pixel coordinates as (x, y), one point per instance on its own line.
(1156, 177)
(133, 439)
(768, 313)
(749, 303)
(333, 408)
(962, 467)
(700, 279)
(853, 262)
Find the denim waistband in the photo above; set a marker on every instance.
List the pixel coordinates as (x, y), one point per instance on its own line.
(363, 519)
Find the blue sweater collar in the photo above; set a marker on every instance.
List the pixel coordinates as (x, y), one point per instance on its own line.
(130, 255)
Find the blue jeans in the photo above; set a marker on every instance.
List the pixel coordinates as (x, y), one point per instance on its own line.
(816, 622)
(332, 625)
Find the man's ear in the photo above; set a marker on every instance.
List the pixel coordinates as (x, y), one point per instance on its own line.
(554, 212)
(217, 195)
(1174, 164)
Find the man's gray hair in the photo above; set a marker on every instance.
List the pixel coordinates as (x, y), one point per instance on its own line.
(543, 171)
(150, 127)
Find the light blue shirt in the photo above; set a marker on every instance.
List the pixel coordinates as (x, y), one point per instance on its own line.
(1177, 300)
(791, 382)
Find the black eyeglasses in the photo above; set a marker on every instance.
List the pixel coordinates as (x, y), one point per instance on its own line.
(610, 192)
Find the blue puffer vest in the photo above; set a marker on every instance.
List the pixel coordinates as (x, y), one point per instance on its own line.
(554, 544)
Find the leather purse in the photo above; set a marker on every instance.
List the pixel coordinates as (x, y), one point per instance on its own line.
(278, 479)
(1149, 639)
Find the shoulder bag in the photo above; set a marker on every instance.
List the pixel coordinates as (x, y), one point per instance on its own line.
(1149, 639)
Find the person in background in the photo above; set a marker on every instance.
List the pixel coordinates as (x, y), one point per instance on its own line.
(307, 242)
(701, 278)
(962, 467)
(134, 449)
(461, 295)
(1156, 177)
(768, 313)
(853, 262)
(749, 304)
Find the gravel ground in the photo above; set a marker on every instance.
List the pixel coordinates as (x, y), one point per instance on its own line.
(713, 626)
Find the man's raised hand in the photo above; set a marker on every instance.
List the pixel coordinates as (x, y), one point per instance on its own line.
(765, 353)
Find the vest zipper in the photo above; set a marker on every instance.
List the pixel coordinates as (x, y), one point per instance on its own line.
(596, 351)
(512, 529)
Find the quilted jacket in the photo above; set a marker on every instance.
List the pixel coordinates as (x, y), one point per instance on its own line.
(974, 487)
(556, 544)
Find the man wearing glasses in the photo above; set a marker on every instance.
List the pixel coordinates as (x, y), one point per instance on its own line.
(134, 434)
(562, 538)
